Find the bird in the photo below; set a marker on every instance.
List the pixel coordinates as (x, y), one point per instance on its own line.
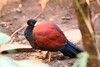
(47, 36)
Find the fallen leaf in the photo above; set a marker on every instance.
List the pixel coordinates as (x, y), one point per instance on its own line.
(13, 46)
(88, 2)
(43, 3)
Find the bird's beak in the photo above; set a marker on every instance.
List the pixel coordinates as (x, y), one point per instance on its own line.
(36, 23)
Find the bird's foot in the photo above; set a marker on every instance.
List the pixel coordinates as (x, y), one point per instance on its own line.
(48, 56)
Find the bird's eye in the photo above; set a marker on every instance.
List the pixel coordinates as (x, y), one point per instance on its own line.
(31, 22)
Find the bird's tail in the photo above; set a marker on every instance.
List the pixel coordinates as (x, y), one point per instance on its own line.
(71, 50)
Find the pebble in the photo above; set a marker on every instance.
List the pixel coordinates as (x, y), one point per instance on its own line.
(20, 5)
(18, 10)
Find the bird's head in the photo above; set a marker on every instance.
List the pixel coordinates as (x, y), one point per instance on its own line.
(32, 22)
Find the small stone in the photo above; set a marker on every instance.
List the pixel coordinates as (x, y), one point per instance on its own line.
(51, 19)
(66, 18)
(18, 10)
(20, 5)
(24, 41)
(15, 18)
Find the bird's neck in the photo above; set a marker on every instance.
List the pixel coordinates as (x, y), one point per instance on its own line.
(28, 31)
(30, 27)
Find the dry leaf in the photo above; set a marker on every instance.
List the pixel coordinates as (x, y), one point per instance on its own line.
(98, 1)
(13, 46)
(43, 3)
(88, 2)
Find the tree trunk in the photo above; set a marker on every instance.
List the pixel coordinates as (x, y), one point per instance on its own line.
(89, 42)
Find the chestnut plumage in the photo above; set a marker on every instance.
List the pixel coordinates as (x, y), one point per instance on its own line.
(48, 36)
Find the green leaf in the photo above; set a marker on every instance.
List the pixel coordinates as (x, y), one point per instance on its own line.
(29, 63)
(8, 62)
(4, 38)
(82, 60)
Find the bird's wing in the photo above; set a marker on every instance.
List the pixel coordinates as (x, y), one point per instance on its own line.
(53, 40)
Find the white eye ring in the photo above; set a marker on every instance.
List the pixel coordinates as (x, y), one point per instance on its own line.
(36, 23)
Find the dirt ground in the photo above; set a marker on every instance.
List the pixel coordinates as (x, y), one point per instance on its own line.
(61, 14)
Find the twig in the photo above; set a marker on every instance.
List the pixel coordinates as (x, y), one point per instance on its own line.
(96, 16)
(18, 30)
(25, 24)
(39, 14)
(11, 41)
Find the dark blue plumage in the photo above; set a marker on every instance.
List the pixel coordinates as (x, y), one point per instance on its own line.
(28, 31)
(28, 35)
(71, 50)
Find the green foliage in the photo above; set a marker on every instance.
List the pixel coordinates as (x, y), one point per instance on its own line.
(4, 38)
(29, 63)
(82, 60)
(8, 62)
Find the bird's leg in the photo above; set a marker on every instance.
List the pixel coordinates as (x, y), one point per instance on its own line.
(48, 56)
